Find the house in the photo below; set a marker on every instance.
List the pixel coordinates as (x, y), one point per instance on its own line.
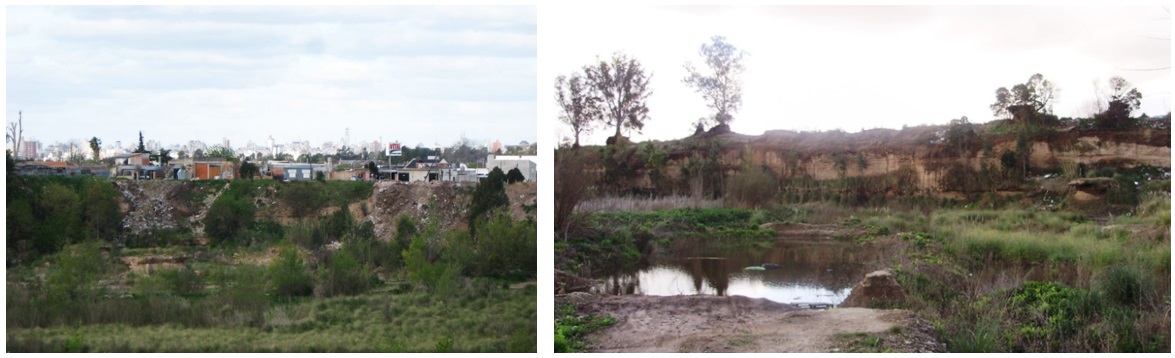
(60, 168)
(137, 166)
(288, 171)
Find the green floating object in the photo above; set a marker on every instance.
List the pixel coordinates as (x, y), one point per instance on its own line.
(754, 268)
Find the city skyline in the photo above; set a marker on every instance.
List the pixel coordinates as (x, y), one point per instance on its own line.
(412, 74)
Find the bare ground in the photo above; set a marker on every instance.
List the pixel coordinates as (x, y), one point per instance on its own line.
(701, 323)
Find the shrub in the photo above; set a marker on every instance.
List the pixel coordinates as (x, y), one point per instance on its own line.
(337, 224)
(227, 217)
(345, 275)
(288, 275)
(301, 198)
(504, 247)
(515, 176)
(422, 260)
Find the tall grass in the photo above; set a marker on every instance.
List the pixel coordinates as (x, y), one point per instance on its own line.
(479, 320)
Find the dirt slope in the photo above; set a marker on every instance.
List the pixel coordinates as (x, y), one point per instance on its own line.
(702, 323)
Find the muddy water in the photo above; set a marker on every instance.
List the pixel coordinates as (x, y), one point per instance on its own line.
(810, 272)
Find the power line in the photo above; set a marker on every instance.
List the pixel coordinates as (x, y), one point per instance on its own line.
(1145, 69)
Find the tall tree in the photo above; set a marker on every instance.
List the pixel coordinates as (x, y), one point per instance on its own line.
(15, 134)
(722, 88)
(621, 88)
(96, 148)
(141, 148)
(579, 106)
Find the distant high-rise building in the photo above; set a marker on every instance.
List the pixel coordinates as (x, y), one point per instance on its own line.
(28, 150)
(497, 146)
(225, 142)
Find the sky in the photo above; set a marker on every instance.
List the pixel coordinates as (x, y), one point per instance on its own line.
(418, 75)
(857, 67)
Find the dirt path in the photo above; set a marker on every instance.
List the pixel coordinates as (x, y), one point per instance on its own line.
(737, 324)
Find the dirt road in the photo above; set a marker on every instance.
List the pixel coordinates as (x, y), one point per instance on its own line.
(739, 324)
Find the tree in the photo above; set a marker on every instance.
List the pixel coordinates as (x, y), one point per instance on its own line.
(141, 148)
(579, 106)
(15, 134)
(163, 157)
(96, 147)
(722, 88)
(490, 194)
(345, 152)
(1122, 100)
(621, 89)
(373, 169)
(1035, 96)
(515, 176)
(1003, 100)
(221, 152)
(249, 170)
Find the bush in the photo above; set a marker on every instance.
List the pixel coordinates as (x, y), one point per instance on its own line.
(515, 176)
(227, 217)
(504, 248)
(288, 275)
(338, 224)
(345, 276)
(422, 260)
(302, 198)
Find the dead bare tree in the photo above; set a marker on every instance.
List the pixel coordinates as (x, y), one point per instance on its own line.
(15, 134)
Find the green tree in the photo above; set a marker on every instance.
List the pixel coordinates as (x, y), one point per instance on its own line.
(221, 152)
(621, 87)
(373, 169)
(1123, 100)
(249, 170)
(490, 194)
(141, 148)
(1032, 97)
(515, 176)
(163, 157)
(96, 148)
(721, 88)
(580, 109)
(345, 152)
(100, 210)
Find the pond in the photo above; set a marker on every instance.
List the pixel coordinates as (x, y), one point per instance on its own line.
(809, 272)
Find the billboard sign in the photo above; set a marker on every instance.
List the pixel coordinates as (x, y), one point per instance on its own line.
(394, 150)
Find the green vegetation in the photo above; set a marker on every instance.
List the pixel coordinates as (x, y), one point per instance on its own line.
(571, 328)
(323, 282)
(617, 240)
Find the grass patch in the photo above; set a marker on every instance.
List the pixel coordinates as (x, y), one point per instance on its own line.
(571, 328)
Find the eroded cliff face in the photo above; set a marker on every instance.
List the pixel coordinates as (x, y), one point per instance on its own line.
(916, 158)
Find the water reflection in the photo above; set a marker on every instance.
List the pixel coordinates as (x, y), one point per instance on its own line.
(810, 272)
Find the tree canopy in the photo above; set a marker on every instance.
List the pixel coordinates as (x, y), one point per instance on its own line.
(621, 88)
(1035, 96)
(579, 106)
(722, 87)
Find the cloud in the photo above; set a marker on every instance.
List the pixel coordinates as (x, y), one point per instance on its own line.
(298, 72)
